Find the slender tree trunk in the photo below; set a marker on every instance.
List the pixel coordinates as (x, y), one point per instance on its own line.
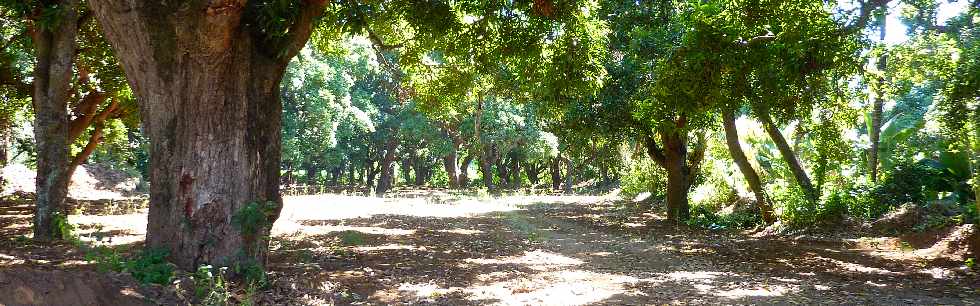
(311, 173)
(387, 167)
(420, 173)
(371, 173)
(877, 110)
(515, 172)
(55, 51)
(449, 163)
(809, 191)
(604, 173)
(502, 173)
(464, 171)
(208, 87)
(735, 148)
(487, 171)
(5, 127)
(533, 171)
(555, 173)
(569, 175)
(406, 169)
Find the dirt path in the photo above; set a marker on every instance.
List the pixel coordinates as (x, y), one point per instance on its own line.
(540, 251)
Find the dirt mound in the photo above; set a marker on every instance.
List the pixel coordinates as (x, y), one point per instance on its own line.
(91, 181)
(25, 286)
(961, 243)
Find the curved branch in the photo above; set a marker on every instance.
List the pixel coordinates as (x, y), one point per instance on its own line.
(302, 29)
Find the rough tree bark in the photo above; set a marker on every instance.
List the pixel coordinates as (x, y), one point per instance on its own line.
(809, 191)
(207, 82)
(55, 53)
(752, 177)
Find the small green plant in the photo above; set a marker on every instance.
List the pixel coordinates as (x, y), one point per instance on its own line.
(151, 266)
(252, 273)
(905, 246)
(970, 262)
(63, 228)
(702, 216)
(253, 218)
(351, 238)
(210, 286)
(21, 240)
(106, 259)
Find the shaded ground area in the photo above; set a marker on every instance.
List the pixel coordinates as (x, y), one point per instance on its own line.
(548, 251)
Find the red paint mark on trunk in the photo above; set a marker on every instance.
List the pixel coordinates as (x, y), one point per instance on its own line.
(185, 187)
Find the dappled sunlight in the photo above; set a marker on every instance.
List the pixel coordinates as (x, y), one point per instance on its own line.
(111, 229)
(849, 266)
(327, 229)
(461, 231)
(387, 247)
(564, 287)
(769, 291)
(538, 260)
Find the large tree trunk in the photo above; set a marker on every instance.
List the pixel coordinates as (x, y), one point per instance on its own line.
(208, 88)
(678, 176)
(877, 109)
(751, 177)
(681, 166)
(809, 191)
(55, 50)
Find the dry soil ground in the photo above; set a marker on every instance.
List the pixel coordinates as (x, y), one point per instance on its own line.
(539, 250)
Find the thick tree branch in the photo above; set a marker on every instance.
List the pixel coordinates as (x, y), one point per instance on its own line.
(655, 152)
(85, 113)
(303, 27)
(864, 15)
(756, 40)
